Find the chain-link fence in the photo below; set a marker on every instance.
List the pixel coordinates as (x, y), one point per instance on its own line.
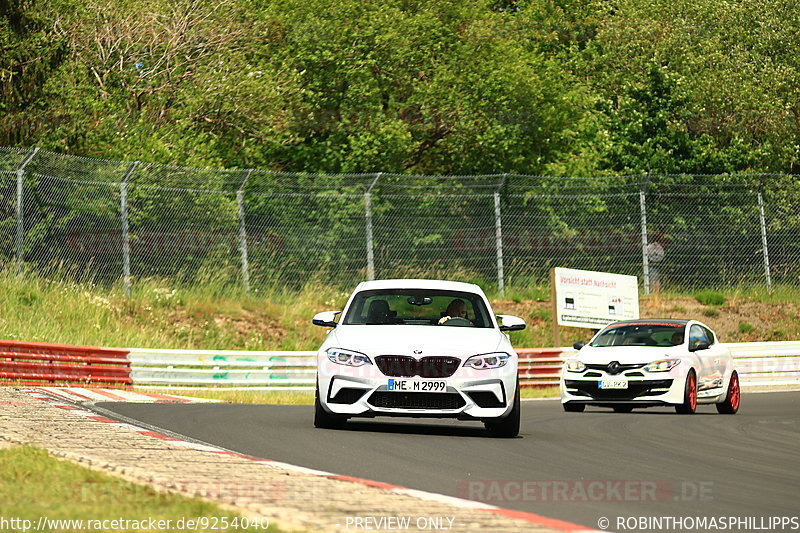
(109, 220)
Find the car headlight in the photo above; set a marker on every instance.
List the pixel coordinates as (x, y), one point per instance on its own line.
(662, 365)
(487, 361)
(574, 365)
(347, 357)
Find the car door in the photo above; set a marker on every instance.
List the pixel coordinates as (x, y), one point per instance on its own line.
(718, 358)
(704, 359)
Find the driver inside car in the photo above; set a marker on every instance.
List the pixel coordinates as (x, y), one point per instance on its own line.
(456, 313)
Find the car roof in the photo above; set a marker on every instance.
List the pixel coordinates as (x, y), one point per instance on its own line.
(419, 284)
(675, 321)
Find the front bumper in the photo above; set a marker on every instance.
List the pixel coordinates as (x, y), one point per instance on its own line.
(470, 394)
(656, 388)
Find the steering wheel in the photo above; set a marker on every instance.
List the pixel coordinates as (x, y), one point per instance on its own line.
(457, 321)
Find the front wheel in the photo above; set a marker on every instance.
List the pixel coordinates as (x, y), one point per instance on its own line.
(324, 419)
(689, 404)
(507, 427)
(731, 403)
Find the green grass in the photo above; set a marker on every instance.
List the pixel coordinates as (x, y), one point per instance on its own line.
(709, 297)
(35, 484)
(211, 315)
(546, 392)
(159, 315)
(215, 313)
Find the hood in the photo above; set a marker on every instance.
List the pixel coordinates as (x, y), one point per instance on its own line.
(627, 354)
(430, 340)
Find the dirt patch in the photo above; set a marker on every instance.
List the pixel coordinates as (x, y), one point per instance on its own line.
(276, 326)
(737, 320)
(252, 325)
(734, 321)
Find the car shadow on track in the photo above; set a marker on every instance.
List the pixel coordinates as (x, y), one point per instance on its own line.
(646, 412)
(417, 429)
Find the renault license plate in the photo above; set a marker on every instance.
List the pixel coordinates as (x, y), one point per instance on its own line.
(613, 384)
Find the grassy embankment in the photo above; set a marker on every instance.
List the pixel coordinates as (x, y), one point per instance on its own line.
(213, 315)
(35, 485)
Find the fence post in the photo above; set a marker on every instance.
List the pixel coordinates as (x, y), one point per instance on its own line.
(498, 237)
(645, 255)
(243, 232)
(368, 221)
(126, 236)
(764, 236)
(20, 240)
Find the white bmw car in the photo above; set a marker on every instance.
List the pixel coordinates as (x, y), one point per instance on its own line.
(651, 362)
(418, 348)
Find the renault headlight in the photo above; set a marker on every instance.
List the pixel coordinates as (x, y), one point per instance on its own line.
(662, 365)
(487, 361)
(574, 365)
(347, 357)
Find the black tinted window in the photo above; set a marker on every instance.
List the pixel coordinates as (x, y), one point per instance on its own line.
(641, 334)
(709, 335)
(418, 307)
(697, 333)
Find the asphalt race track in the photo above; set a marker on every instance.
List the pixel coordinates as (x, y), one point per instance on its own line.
(700, 466)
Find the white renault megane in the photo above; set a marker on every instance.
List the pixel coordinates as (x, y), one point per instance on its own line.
(418, 348)
(651, 362)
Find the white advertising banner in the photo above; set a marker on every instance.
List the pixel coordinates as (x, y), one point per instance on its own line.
(586, 299)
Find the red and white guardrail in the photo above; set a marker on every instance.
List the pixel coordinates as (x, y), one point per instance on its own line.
(40, 363)
(45, 364)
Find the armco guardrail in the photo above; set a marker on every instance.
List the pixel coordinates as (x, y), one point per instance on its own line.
(39, 363)
(767, 363)
(759, 363)
(227, 368)
(539, 367)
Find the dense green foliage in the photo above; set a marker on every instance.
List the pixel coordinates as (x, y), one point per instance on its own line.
(570, 87)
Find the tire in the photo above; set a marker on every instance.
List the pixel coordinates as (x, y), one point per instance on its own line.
(731, 404)
(689, 405)
(623, 408)
(324, 419)
(573, 407)
(508, 427)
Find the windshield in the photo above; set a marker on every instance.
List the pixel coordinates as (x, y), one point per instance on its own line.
(418, 307)
(661, 334)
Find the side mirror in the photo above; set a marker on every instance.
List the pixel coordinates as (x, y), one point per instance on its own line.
(698, 345)
(510, 323)
(578, 345)
(326, 319)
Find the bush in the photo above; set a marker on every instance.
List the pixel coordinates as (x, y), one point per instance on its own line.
(709, 297)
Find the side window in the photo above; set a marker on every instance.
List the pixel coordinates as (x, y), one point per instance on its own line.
(697, 334)
(709, 336)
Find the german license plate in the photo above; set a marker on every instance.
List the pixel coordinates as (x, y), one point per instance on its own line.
(613, 384)
(417, 385)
